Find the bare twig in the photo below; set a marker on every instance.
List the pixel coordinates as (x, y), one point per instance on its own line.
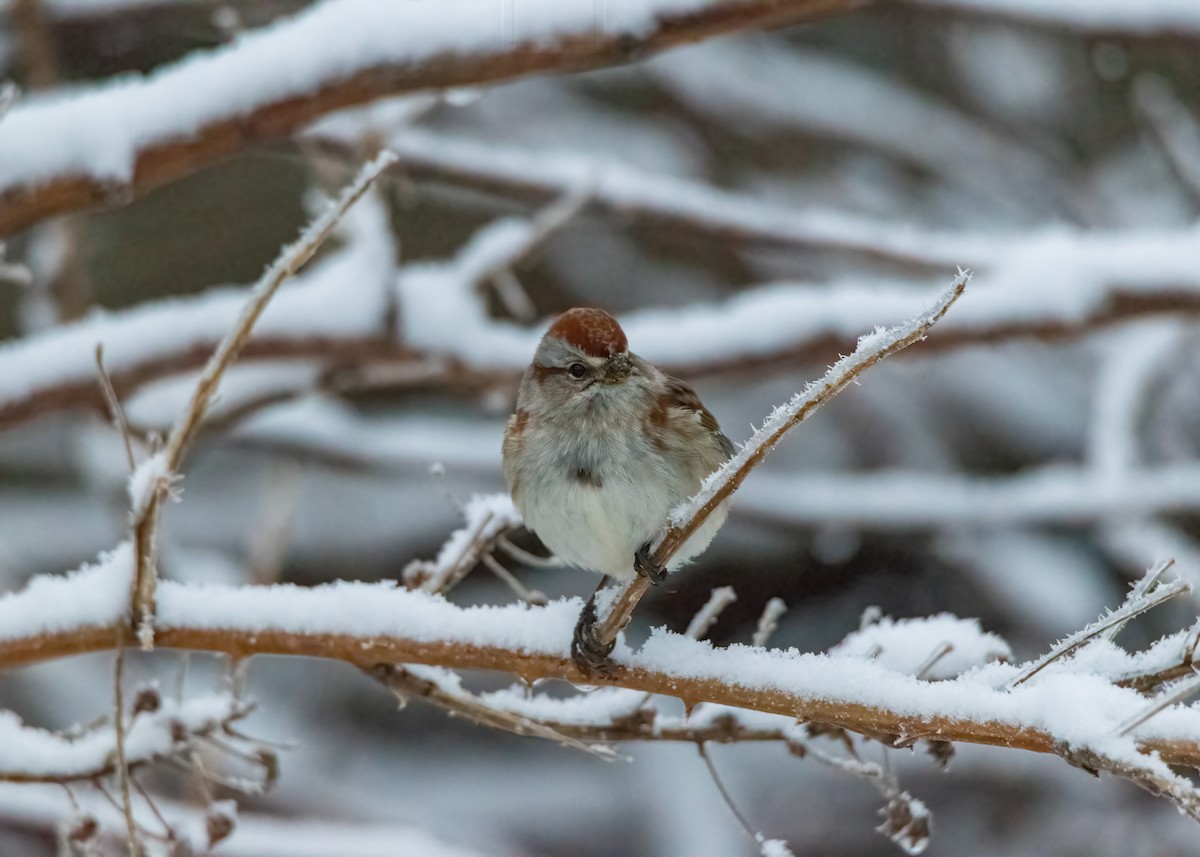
(116, 412)
(135, 845)
(759, 840)
(440, 688)
(529, 596)
(289, 261)
(721, 485)
(8, 96)
(1174, 128)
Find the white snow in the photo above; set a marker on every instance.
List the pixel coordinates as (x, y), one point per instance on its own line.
(1073, 699)
(98, 130)
(895, 500)
(617, 185)
(95, 594)
(487, 516)
(38, 754)
(145, 481)
(905, 645)
(256, 835)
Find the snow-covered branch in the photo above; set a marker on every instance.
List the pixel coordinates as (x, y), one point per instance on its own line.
(158, 729)
(368, 624)
(162, 127)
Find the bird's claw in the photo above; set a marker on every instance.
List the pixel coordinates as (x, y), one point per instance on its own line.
(588, 652)
(645, 566)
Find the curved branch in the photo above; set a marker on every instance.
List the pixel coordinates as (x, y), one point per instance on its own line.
(357, 67)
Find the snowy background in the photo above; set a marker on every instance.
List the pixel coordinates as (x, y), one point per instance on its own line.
(747, 206)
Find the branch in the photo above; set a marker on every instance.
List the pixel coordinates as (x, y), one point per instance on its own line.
(158, 730)
(149, 485)
(343, 338)
(657, 200)
(369, 624)
(382, 49)
(900, 501)
(719, 486)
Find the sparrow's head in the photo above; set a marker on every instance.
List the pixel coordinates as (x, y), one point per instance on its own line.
(584, 349)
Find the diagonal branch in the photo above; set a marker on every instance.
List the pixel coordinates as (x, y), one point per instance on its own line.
(149, 485)
(720, 486)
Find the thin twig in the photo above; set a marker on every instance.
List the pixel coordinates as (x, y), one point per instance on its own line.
(743, 822)
(722, 484)
(1119, 617)
(405, 682)
(1170, 695)
(290, 260)
(529, 596)
(135, 845)
(1139, 591)
(115, 411)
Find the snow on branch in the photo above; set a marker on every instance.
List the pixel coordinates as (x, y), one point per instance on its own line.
(1141, 598)
(904, 500)
(488, 518)
(368, 624)
(1099, 279)
(720, 485)
(337, 54)
(95, 822)
(159, 729)
(684, 204)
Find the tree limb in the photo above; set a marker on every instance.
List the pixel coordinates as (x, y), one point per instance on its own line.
(170, 156)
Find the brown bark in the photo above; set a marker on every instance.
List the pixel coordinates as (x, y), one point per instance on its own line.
(878, 722)
(22, 206)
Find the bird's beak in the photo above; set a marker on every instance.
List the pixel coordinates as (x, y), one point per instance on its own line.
(617, 369)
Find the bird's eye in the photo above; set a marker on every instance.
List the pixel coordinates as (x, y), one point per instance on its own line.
(577, 370)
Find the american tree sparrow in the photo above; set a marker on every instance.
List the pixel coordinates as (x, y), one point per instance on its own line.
(602, 446)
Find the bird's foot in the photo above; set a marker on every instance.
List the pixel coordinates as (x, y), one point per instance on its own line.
(588, 652)
(645, 566)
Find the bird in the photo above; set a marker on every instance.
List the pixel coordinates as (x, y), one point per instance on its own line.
(601, 447)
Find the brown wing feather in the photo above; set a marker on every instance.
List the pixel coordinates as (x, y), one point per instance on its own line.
(681, 395)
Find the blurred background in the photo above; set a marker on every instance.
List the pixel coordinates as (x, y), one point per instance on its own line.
(1024, 477)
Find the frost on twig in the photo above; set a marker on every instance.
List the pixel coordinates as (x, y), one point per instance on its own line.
(769, 621)
(706, 616)
(719, 486)
(488, 518)
(1139, 601)
(162, 469)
